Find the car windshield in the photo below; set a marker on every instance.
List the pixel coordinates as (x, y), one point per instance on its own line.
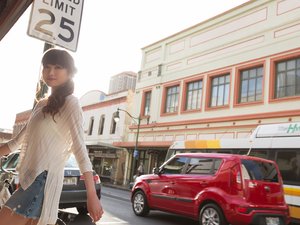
(71, 162)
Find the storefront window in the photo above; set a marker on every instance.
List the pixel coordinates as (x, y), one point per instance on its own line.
(107, 167)
(105, 163)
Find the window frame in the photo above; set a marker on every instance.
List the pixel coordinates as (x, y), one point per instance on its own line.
(273, 76)
(113, 125)
(210, 77)
(184, 98)
(144, 103)
(91, 126)
(101, 124)
(164, 99)
(237, 86)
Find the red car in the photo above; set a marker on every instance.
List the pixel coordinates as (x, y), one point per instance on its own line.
(213, 188)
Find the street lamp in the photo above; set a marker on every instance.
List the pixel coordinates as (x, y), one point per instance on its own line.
(138, 120)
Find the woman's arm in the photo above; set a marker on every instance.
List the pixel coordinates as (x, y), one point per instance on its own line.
(13, 144)
(93, 203)
(79, 149)
(16, 141)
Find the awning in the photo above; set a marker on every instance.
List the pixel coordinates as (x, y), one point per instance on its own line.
(10, 12)
(144, 144)
(101, 145)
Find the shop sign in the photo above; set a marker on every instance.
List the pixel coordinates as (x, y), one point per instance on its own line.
(101, 154)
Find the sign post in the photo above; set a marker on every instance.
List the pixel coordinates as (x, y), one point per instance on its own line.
(57, 22)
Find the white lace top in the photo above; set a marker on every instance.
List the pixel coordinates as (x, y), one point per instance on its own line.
(46, 145)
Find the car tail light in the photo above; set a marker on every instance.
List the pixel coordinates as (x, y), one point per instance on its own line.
(96, 179)
(237, 178)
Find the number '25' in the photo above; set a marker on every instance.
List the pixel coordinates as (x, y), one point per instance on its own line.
(64, 24)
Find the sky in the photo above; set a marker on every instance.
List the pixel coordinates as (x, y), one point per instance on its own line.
(112, 35)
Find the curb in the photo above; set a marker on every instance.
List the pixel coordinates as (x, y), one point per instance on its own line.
(110, 194)
(115, 197)
(116, 186)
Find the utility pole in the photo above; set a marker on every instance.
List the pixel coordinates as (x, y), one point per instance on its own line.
(136, 150)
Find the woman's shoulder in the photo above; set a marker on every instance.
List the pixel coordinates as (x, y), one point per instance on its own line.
(72, 98)
(42, 102)
(72, 102)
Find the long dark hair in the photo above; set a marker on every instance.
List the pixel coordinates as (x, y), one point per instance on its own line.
(58, 97)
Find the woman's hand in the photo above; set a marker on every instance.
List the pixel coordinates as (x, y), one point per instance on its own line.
(93, 203)
(94, 207)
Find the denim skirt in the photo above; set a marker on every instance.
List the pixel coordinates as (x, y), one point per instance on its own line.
(29, 202)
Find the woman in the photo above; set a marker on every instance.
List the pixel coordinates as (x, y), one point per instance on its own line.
(54, 131)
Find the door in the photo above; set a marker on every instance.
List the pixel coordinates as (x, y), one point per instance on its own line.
(262, 183)
(199, 174)
(163, 193)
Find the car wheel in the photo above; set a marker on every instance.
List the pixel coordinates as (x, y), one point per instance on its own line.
(139, 204)
(211, 214)
(82, 210)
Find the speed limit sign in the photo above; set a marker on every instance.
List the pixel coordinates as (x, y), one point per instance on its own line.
(56, 21)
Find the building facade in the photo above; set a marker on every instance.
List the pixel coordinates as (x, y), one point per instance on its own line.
(220, 78)
(112, 163)
(122, 82)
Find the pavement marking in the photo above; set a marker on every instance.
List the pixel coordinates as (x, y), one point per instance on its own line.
(118, 221)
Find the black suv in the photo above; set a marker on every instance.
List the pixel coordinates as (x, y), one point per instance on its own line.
(74, 191)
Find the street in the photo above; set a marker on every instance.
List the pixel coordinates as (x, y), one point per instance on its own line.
(117, 211)
(120, 210)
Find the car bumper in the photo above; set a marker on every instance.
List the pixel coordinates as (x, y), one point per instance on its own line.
(261, 217)
(75, 198)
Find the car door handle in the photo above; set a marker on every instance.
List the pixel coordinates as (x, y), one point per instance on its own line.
(267, 188)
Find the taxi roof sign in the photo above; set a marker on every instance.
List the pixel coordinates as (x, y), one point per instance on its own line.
(277, 130)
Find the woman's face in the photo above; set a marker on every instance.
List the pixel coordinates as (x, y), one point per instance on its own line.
(55, 75)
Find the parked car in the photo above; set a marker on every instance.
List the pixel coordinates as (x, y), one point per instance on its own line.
(214, 188)
(73, 192)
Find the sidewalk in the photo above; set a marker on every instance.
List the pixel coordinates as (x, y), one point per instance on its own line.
(116, 191)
